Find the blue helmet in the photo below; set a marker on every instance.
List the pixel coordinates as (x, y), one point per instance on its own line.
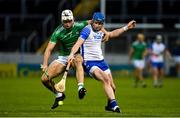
(98, 16)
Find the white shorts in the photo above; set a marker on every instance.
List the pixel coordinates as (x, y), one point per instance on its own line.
(139, 64)
(62, 60)
(177, 59)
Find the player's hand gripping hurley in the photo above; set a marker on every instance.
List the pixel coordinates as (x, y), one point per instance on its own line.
(61, 85)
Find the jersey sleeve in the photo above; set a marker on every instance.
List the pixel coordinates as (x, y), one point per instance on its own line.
(85, 33)
(133, 45)
(54, 36)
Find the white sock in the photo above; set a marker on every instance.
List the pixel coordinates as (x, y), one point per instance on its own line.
(58, 94)
(155, 82)
(80, 85)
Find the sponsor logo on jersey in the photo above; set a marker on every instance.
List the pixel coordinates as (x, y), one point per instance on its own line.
(98, 36)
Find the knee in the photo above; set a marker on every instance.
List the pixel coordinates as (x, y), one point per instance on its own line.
(156, 72)
(107, 81)
(78, 60)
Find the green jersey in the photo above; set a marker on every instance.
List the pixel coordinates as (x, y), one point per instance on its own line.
(139, 48)
(67, 37)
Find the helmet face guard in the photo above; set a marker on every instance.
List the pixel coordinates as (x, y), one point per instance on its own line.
(67, 15)
(98, 16)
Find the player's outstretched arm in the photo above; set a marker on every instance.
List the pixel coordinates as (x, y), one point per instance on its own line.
(47, 54)
(106, 34)
(117, 32)
(75, 48)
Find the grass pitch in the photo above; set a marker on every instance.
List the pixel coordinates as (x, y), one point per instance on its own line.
(26, 97)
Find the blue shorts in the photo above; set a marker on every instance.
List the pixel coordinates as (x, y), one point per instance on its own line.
(90, 66)
(158, 65)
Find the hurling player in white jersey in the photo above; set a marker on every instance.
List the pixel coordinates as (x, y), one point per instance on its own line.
(157, 51)
(90, 42)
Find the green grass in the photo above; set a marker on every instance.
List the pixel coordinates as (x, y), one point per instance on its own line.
(27, 97)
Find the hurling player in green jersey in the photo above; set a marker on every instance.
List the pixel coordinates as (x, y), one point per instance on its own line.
(137, 54)
(66, 34)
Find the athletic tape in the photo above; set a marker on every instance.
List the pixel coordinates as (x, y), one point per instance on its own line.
(46, 73)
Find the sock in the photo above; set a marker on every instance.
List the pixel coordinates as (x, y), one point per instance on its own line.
(113, 104)
(135, 82)
(58, 94)
(80, 85)
(143, 82)
(155, 82)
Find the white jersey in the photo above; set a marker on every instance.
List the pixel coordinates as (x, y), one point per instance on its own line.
(157, 52)
(91, 48)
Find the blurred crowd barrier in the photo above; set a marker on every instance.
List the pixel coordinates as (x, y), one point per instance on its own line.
(28, 65)
(21, 65)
